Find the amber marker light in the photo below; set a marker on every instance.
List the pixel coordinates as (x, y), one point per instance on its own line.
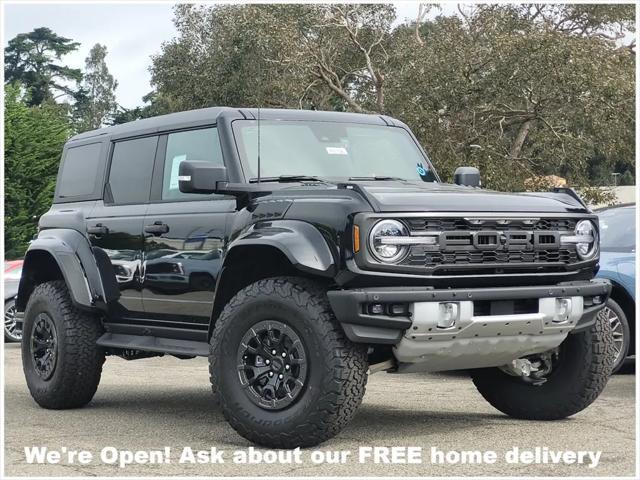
(356, 239)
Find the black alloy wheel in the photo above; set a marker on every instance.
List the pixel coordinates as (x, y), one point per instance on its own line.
(272, 364)
(282, 368)
(44, 346)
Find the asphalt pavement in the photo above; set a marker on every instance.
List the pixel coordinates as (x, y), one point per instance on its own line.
(151, 404)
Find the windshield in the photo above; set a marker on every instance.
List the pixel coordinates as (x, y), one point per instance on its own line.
(618, 229)
(330, 149)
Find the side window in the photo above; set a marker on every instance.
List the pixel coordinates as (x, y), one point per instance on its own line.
(79, 170)
(202, 144)
(131, 170)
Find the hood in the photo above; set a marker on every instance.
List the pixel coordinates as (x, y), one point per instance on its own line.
(397, 196)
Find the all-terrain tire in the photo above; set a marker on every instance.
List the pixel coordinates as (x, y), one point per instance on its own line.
(582, 372)
(337, 372)
(78, 366)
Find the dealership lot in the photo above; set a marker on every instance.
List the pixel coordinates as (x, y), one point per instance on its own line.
(155, 403)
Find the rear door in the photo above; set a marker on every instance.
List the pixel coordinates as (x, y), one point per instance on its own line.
(115, 224)
(184, 237)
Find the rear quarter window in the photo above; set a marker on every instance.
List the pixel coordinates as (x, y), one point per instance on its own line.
(79, 171)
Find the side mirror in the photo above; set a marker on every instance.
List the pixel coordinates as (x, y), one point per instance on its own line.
(200, 177)
(469, 176)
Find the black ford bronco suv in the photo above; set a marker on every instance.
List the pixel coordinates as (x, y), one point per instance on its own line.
(302, 251)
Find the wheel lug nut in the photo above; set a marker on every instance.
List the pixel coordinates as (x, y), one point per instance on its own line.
(267, 361)
(271, 374)
(284, 355)
(287, 367)
(273, 352)
(280, 376)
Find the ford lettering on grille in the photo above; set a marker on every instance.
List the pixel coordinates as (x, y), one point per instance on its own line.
(498, 240)
(483, 243)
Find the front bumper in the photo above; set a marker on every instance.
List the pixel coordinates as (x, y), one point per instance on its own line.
(420, 324)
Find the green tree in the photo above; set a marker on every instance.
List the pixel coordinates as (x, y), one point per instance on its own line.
(154, 105)
(299, 56)
(505, 89)
(96, 100)
(516, 90)
(31, 59)
(33, 140)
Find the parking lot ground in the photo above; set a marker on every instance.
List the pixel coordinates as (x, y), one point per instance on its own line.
(165, 402)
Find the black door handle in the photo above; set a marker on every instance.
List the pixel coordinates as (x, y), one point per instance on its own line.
(158, 228)
(98, 230)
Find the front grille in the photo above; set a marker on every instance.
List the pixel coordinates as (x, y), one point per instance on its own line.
(421, 225)
(418, 257)
(485, 243)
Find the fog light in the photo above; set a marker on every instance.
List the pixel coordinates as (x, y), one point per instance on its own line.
(397, 309)
(563, 309)
(448, 315)
(376, 309)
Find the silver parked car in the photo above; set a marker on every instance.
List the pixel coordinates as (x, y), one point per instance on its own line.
(12, 272)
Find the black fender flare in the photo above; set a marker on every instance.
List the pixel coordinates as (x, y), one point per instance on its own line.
(86, 270)
(301, 242)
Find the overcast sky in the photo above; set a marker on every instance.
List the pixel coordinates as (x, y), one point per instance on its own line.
(131, 32)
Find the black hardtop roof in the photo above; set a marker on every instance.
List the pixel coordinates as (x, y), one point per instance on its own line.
(204, 115)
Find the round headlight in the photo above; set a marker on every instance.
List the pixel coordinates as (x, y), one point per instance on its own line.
(381, 231)
(586, 229)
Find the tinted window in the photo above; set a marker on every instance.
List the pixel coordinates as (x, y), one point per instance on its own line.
(79, 170)
(202, 145)
(131, 169)
(618, 229)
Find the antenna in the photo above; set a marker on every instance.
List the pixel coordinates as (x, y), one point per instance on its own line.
(258, 142)
(259, 102)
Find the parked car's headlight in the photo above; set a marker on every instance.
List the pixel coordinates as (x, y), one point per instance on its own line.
(587, 236)
(380, 233)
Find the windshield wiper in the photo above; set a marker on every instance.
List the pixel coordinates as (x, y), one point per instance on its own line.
(375, 178)
(287, 178)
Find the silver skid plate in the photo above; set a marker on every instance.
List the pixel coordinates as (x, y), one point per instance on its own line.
(481, 341)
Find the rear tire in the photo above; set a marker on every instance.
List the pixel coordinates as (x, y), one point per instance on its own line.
(582, 372)
(61, 361)
(292, 317)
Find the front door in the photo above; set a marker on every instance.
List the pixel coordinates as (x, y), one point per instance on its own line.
(184, 238)
(115, 224)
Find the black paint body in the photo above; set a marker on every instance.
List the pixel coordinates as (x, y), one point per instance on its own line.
(157, 268)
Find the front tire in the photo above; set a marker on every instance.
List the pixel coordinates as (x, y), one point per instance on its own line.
(305, 392)
(61, 361)
(583, 368)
